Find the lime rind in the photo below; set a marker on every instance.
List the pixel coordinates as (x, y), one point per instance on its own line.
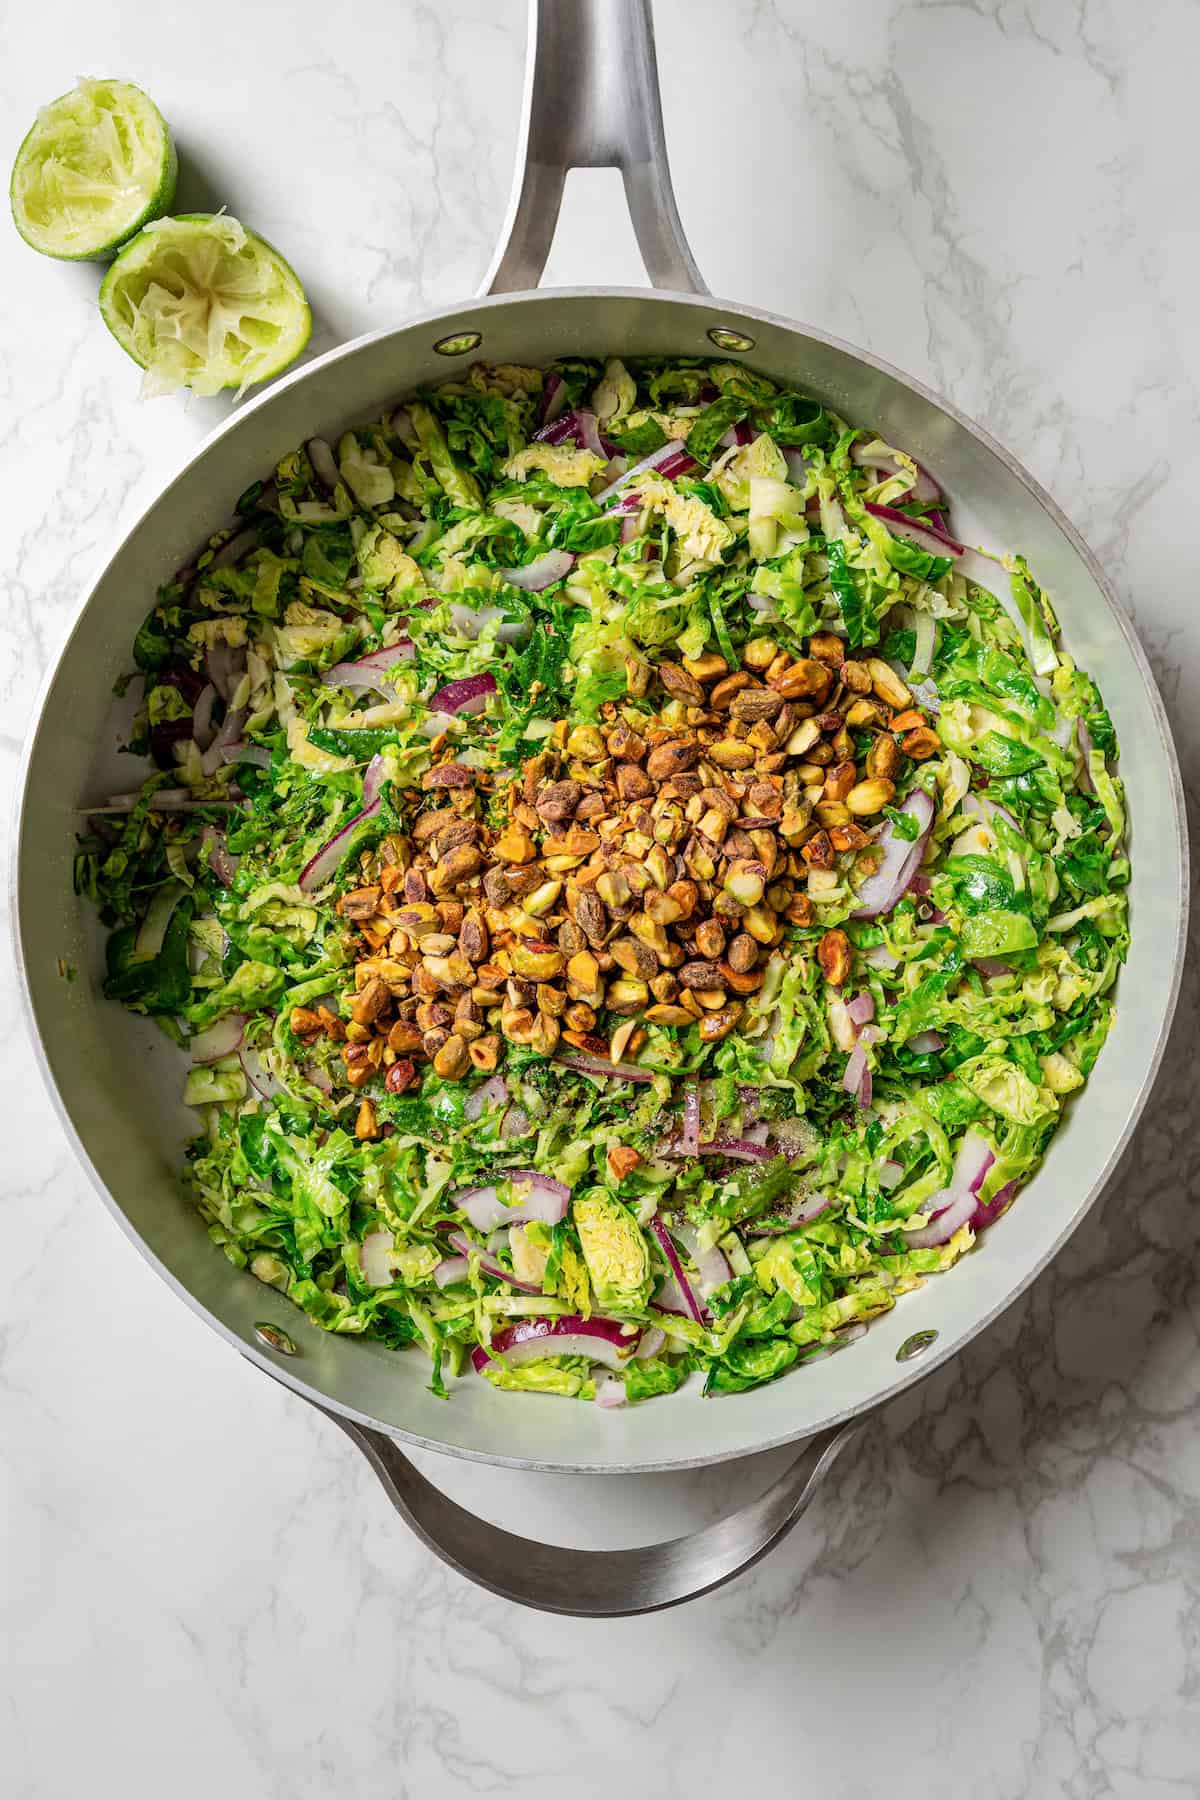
(96, 165)
(201, 302)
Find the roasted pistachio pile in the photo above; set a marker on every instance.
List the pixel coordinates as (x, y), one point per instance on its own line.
(637, 870)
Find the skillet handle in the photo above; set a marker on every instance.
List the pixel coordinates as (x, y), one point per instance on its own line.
(597, 1584)
(591, 101)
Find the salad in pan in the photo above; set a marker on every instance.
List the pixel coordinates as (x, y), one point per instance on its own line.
(635, 891)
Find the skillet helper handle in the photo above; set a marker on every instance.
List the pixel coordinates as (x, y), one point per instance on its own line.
(591, 101)
(598, 1584)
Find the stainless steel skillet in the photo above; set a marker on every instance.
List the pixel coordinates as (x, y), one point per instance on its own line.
(591, 99)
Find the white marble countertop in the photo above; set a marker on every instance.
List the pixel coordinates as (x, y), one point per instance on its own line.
(202, 1588)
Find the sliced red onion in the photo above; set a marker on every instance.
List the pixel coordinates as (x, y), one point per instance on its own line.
(889, 1174)
(203, 729)
(880, 957)
(990, 967)
(164, 800)
(324, 464)
(224, 666)
(472, 621)
(670, 460)
(469, 695)
(712, 1265)
(956, 1202)
(489, 1265)
(492, 1092)
(975, 1157)
(223, 866)
(926, 1043)
(925, 634)
(260, 1078)
(689, 1137)
(975, 805)
(554, 398)
(857, 1078)
(536, 576)
(681, 463)
(629, 530)
(922, 534)
(235, 548)
(743, 1149)
(987, 1212)
(230, 732)
(557, 431)
(670, 1298)
(802, 1211)
(597, 1066)
(452, 1269)
(529, 1340)
(625, 503)
(1063, 730)
(610, 1393)
(221, 1039)
(942, 1228)
(580, 426)
(737, 436)
(698, 1312)
(325, 864)
(862, 1008)
(515, 1123)
(650, 1343)
(257, 755)
(926, 696)
(880, 892)
(374, 776)
(366, 673)
(589, 433)
(375, 1258)
(316, 1076)
(539, 1197)
(920, 885)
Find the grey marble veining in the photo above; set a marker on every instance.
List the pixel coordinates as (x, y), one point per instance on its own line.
(202, 1588)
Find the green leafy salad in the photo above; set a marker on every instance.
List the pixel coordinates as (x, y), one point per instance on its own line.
(634, 890)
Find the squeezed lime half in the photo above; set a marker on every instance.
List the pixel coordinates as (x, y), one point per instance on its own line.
(201, 302)
(96, 165)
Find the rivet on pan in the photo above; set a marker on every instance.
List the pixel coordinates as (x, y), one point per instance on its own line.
(459, 343)
(916, 1345)
(274, 1337)
(726, 339)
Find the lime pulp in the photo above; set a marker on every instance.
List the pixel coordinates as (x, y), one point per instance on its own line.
(96, 165)
(201, 302)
